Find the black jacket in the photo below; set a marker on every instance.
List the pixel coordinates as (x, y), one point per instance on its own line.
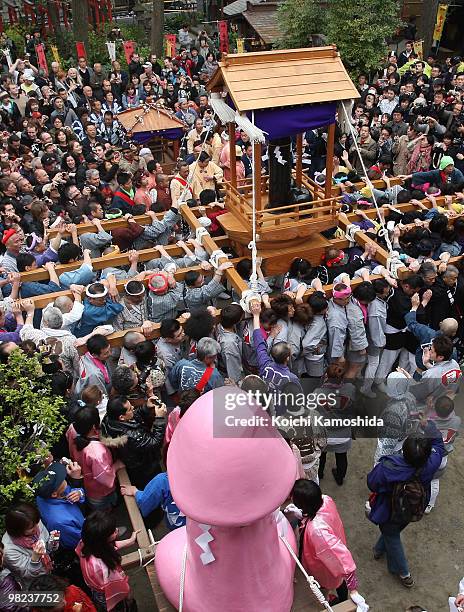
(139, 447)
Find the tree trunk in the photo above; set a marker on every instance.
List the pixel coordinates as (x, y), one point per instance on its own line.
(55, 23)
(426, 23)
(157, 28)
(80, 21)
(279, 173)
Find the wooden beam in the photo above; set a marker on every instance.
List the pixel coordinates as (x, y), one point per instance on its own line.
(329, 164)
(233, 167)
(108, 225)
(40, 301)
(362, 239)
(115, 261)
(210, 245)
(299, 160)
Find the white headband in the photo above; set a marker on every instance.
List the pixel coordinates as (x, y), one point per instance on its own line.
(96, 295)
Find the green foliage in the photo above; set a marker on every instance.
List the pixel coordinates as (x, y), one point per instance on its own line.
(174, 22)
(16, 33)
(30, 422)
(298, 19)
(359, 28)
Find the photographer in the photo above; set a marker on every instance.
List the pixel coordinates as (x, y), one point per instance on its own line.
(141, 449)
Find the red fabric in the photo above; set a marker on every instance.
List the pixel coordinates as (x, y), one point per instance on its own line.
(201, 384)
(124, 197)
(7, 235)
(74, 595)
(129, 49)
(223, 37)
(42, 60)
(80, 48)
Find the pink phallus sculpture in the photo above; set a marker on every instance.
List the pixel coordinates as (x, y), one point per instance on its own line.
(229, 481)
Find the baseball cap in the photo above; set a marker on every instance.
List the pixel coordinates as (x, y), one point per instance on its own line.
(49, 480)
(48, 159)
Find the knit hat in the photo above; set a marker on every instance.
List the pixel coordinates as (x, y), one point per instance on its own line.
(397, 385)
(446, 161)
(49, 480)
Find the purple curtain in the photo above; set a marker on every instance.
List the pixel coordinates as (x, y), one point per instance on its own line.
(281, 122)
(172, 134)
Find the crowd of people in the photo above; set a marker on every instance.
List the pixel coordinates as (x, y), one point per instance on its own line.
(65, 160)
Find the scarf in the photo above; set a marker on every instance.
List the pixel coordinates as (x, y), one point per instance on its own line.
(29, 541)
(421, 159)
(101, 366)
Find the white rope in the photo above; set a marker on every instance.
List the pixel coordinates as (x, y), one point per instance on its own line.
(199, 233)
(313, 584)
(368, 181)
(216, 256)
(252, 245)
(248, 296)
(351, 231)
(182, 579)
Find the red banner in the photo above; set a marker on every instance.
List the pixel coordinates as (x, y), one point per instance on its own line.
(109, 10)
(80, 48)
(1, 24)
(129, 49)
(12, 15)
(170, 45)
(223, 37)
(41, 59)
(65, 15)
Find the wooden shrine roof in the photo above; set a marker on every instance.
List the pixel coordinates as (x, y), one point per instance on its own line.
(290, 77)
(263, 19)
(154, 120)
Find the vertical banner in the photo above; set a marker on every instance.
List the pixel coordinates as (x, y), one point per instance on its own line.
(1, 26)
(64, 6)
(111, 46)
(41, 59)
(440, 23)
(170, 45)
(419, 48)
(80, 48)
(7, 54)
(56, 55)
(12, 15)
(223, 37)
(240, 45)
(129, 49)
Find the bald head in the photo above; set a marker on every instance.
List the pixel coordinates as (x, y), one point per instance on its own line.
(131, 339)
(63, 303)
(449, 327)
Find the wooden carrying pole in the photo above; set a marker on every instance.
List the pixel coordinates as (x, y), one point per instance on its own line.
(329, 160)
(299, 160)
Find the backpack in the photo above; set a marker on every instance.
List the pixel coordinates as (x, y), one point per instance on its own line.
(408, 500)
